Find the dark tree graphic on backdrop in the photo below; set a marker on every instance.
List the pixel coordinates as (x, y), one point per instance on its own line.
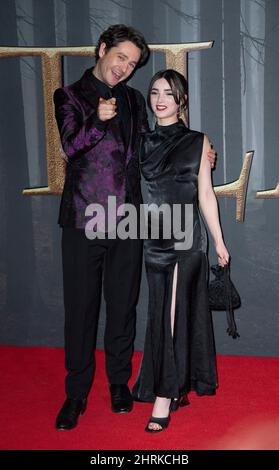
(18, 258)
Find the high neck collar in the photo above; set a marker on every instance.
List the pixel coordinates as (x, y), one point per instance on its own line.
(170, 128)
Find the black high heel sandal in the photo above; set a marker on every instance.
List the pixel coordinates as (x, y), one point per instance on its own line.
(177, 402)
(163, 422)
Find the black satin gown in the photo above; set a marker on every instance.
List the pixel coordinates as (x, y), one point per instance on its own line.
(173, 365)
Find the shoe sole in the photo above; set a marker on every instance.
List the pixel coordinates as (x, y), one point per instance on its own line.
(121, 411)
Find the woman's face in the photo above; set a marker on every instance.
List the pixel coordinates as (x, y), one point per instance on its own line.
(162, 103)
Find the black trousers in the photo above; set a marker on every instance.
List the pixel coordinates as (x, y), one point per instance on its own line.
(87, 264)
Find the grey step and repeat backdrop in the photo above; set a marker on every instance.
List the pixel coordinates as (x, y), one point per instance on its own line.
(234, 98)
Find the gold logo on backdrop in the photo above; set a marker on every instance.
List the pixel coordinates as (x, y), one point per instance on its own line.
(270, 194)
(176, 58)
(238, 188)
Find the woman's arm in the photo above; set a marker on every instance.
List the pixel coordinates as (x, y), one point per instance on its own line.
(209, 206)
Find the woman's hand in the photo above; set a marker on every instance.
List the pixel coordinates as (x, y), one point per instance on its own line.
(222, 253)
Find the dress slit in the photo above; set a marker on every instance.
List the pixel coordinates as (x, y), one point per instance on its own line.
(173, 299)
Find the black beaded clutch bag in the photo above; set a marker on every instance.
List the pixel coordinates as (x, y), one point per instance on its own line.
(224, 296)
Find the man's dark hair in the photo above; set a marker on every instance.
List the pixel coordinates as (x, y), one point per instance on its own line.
(177, 83)
(119, 33)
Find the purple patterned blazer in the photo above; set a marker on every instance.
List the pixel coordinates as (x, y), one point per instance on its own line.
(98, 165)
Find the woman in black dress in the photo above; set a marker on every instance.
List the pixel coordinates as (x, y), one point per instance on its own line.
(179, 352)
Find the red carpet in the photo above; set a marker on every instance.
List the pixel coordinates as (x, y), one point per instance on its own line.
(243, 415)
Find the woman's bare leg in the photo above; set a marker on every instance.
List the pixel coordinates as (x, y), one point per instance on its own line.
(162, 405)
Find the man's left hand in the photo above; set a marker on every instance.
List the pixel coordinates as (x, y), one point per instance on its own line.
(212, 156)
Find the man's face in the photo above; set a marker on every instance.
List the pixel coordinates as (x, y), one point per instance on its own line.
(117, 64)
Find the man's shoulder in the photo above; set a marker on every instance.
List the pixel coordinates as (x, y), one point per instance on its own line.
(71, 89)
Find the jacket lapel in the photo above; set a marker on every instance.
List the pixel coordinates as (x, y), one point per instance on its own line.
(88, 89)
(133, 125)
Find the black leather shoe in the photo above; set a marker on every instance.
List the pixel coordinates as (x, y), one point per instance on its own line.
(68, 415)
(177, 402)
(121, 398)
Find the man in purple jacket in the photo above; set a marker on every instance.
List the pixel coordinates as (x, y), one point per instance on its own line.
(100, 120)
